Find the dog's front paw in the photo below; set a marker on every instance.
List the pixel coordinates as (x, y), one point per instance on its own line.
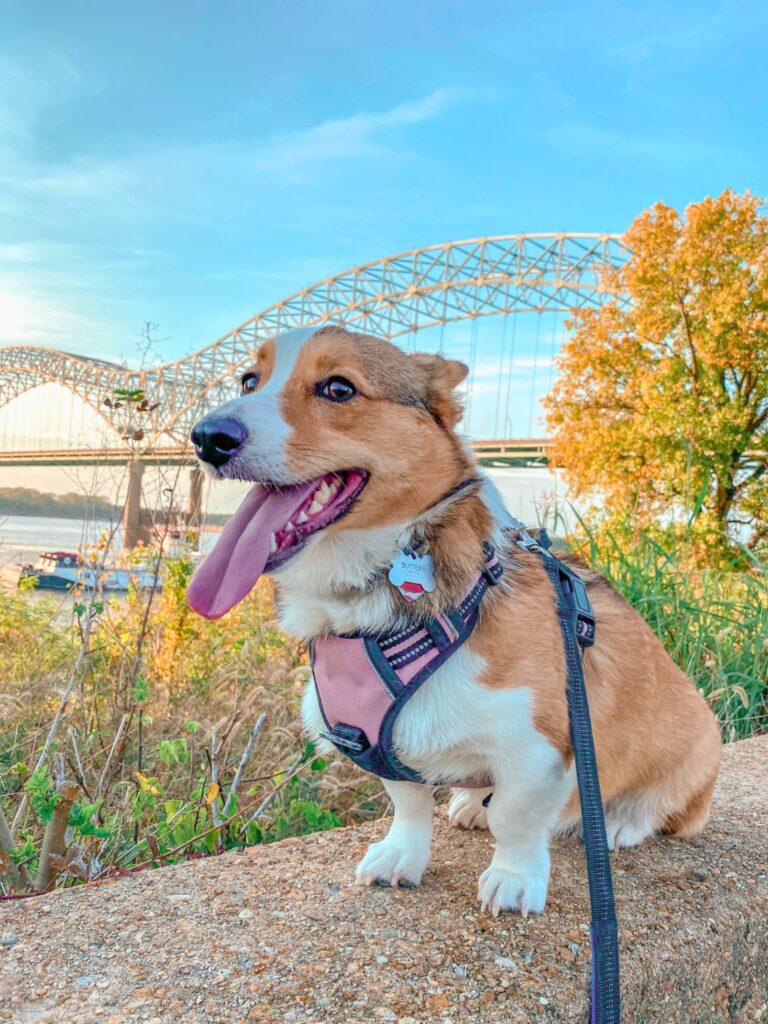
(389, 863)
(466, 808)
(500, 889)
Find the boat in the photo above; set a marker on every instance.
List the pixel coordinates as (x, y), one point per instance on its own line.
(58, 570)
(65, 570)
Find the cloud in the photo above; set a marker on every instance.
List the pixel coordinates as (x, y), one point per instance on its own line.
(26, 93)
(355, 136)
(687, 38)
(147, 181)
(76, 222)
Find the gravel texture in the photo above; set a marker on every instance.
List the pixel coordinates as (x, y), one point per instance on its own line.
(280, 933)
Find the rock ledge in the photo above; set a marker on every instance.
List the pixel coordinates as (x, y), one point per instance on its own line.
(280, 933)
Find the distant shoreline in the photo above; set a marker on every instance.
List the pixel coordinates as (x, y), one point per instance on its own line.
(30, 503)
(44, 513)
(213, 524)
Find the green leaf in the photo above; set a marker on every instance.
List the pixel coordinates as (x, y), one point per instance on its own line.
(140, 689)
(43, 798)
(253, 833)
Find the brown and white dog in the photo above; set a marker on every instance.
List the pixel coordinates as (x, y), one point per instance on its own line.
(351, 444)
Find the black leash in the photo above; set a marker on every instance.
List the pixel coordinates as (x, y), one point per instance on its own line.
(577, 621)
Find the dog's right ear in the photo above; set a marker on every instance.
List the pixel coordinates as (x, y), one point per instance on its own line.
(441, 378)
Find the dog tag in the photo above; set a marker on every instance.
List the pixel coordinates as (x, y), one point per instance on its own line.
(413, 574)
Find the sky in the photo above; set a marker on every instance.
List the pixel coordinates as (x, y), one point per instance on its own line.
(191, 163)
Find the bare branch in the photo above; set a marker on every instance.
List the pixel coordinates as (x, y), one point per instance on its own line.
(17, 875)
(247, 753)
(689, 339)
(214, 752)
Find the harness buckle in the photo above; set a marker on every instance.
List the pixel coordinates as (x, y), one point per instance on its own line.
(348, 738)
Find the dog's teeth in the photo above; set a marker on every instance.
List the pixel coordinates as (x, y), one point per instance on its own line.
(301, 518)
(323, 493)
(315, 507)
(334, 486)
(289, 525)
(272, 544)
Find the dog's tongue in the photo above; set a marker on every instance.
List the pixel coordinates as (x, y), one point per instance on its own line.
(230, 571)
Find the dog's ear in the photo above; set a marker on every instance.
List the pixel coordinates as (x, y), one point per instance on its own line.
(441, 378)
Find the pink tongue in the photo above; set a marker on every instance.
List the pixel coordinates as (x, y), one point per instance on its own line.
(230, 571)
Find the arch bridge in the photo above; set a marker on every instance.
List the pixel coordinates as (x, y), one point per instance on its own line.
(153, 409)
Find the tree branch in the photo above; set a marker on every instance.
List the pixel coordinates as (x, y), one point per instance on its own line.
(689, 339)
(54, 839)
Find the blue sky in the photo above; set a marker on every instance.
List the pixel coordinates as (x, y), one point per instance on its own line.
(190, 163)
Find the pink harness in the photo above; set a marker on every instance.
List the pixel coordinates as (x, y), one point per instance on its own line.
(363, 681)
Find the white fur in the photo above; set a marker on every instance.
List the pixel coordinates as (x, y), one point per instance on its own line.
(466, 808)
(403, 855)
(325, 588)
(262, 456)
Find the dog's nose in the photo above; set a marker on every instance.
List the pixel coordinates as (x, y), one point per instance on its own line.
(216, 441)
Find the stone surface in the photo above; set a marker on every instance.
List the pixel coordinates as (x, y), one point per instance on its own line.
(280, 933)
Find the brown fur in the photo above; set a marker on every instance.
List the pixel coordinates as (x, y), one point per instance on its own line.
(375, 432)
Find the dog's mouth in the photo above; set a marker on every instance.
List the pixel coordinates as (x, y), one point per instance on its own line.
(271, 526)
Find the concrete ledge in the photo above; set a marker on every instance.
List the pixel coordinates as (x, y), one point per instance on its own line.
(280, 933)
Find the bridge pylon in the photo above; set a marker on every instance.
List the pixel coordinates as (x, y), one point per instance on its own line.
(195, 503)
(132, 531)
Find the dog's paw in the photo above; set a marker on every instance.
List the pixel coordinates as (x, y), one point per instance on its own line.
(388, 863)
(466, 810)
(499, 889)
(623, 834)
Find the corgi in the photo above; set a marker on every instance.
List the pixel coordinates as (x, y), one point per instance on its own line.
(352, 449)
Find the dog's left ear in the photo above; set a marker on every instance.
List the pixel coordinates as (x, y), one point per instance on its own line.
(441, 378)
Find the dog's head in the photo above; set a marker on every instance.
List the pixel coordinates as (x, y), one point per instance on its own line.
(337, 431)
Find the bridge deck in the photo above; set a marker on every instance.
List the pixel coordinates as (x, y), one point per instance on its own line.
(505, 451)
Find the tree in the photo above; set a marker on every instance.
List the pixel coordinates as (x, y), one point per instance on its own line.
(661, 406)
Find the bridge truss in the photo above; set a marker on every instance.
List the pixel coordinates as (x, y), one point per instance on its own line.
(392, 297)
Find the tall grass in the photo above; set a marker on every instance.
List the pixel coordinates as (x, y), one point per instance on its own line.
(175, 736)
(713, 622)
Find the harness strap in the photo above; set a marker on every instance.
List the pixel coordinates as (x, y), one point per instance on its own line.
(578, 628)
(412, 642)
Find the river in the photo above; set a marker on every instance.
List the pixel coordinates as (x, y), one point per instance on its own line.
(528, 494)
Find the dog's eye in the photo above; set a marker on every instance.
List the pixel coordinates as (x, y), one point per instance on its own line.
(336, 389)
(249, 382)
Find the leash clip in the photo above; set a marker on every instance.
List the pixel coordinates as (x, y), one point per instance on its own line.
(575, 593)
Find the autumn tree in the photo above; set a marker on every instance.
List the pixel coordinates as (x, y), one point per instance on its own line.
(661, 404)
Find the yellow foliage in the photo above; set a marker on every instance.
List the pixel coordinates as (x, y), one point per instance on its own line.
(661, 404)
(145, 785)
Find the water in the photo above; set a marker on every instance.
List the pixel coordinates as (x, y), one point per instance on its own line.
(527, 492)
(531, 493)
(33, 534)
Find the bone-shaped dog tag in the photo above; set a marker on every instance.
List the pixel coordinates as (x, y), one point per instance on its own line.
(413, 574)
